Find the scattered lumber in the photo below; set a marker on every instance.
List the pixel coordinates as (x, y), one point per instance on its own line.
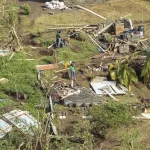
(46, 67)
(110, 95)
(98, 56)
(104, 29)
(96, 43)
(64, 28)
(61, 70)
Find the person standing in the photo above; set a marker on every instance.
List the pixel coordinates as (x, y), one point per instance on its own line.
(58, 39)
(68, 38)
(72, 69)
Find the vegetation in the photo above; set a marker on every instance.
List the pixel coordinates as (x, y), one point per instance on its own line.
(23, 90)
(126, 75)
(146, 69)
(26, 9)
(131, 141)
(110, 115)
(123, 73)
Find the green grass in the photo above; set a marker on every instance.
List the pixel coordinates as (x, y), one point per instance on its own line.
(77, 51)
(22, 76)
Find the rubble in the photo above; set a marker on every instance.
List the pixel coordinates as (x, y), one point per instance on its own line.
(105, 87)
(86, 97)
(54, 4)
(22, 120)
(72, 96)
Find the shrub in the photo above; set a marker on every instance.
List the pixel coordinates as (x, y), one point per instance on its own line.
(110, 115)
(26, 9)
(46, 43)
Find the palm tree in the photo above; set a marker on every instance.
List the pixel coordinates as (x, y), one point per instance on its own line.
(126, 75)
(146, 68)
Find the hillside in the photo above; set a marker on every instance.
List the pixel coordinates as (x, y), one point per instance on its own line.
(59, 101)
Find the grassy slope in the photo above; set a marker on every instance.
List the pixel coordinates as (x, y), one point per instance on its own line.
(139, 10)
(21, 73)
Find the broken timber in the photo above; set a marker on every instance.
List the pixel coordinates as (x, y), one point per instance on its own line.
(96, 43)
(104, 29)
(64, 28)
(91, 12)
(46, 67)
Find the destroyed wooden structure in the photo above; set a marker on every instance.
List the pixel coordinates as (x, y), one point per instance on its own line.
(21, 120)
(70, 96)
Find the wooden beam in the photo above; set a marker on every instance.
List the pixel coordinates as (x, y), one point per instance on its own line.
(96, 43)
(64, 28)
(91, 12)
(104, 29)
(46, 67)
(62, 70)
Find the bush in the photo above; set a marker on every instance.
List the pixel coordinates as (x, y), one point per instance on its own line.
(26, 9)
(110, 115)
(46, 43)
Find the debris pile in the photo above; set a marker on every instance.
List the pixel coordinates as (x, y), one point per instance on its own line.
(86, 97)
(55, 5)
(69, 96)
(22, 120)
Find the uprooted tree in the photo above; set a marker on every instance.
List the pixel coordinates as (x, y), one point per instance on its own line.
(9, 21)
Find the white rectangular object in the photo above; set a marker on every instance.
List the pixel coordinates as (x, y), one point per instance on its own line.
(22, 120)
(110, 86)
(4, 128)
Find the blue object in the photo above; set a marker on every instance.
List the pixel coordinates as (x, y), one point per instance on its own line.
(100, 50)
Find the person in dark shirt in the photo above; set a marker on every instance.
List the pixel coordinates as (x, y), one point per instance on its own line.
(58, 39)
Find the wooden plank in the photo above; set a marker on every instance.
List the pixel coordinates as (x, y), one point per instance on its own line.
(46, 67)
(98, 56)
(110, 95)
(24, 113)
(96, 43)
(104, 29)
(62, 70)
(64, 28)
(91, 12)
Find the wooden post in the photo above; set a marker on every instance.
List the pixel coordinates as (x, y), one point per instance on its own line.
(71, 82)
(51, 105)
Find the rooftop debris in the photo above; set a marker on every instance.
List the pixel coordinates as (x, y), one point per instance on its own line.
(75, 96)
(22, 120)
(86, 97)
(105, 87)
